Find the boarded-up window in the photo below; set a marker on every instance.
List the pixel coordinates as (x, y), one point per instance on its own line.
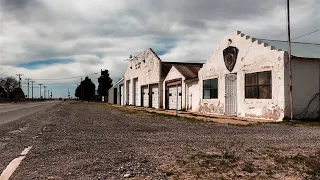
(258, 85)
(210, 88)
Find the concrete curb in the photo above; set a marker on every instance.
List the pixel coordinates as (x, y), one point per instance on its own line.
(199, 116)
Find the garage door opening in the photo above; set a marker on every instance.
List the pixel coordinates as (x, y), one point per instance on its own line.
(145, 96)
(154, 89)
(174, 97)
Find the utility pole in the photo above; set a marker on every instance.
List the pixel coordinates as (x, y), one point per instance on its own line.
(102, 94)
(289, 59)
(32, 87)
(19, 79)
(28, 79)
(51, 94)
(44, 92)
(40, 89)
(68, 93)
(81, 88)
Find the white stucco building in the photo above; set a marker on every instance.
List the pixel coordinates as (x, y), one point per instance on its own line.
(116, 93)
(246, 77)
(181, 87)
(142, 80)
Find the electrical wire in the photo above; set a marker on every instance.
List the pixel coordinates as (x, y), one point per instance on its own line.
(318, 44)
(65, 78)
(306, 34)
(306, 109)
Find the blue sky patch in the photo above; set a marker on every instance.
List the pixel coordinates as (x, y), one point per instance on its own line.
(41, 63)
(160, 53)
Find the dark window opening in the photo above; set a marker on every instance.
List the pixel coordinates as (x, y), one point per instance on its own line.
(170, 94)
(210, 88)
(180, 94)
(258, 85)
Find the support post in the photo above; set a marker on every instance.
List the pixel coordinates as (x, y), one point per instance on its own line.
(289, 60)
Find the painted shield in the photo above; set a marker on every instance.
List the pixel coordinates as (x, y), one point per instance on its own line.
(230, 57)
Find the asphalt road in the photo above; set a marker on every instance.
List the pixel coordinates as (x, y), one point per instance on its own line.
(75, 140)
(14, 111)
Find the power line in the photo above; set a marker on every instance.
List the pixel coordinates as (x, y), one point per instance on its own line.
(57, 78)
(295, 42)
(28, 79)
(306, 34)
(19, 75)
(67, 77)
(40, 89)
(32, 87)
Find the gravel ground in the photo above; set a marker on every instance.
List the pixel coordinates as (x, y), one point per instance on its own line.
(98, 141)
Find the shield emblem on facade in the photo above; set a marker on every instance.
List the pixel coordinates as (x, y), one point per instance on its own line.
(230, 57)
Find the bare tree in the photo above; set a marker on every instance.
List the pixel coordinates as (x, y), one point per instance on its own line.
(9, 84)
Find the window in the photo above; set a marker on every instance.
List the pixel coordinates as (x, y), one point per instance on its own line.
(210, 88)
(258, 85)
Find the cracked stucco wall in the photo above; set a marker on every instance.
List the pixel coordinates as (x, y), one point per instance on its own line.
(253, 56)
(145, 67)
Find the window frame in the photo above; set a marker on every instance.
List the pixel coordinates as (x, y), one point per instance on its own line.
(211, 89)
(257, 85)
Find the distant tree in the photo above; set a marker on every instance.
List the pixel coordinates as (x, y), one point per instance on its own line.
(9, 84)
(105, 83)
(88, 89)
(2, 92)
(18, 93)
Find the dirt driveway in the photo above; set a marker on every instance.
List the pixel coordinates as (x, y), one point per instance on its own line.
(98, 141)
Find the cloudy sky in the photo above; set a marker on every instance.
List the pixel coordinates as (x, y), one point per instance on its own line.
(62, 39)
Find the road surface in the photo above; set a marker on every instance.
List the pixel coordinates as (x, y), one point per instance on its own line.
(78, 140)
(14, 111)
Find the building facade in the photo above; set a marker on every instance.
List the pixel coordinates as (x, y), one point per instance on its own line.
(181, 87)
(116, 93)
(142, 80)
(246, 77)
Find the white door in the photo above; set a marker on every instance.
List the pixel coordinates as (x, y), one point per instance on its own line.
(129, 92)
(175, 95)
(155, 96)
(190, 100)
(231, 94)
(145, 96)
(121, 95)
(136, 93)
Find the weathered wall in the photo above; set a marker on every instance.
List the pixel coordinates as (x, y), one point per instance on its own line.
(175, 74)
(193, 90)
(111, 92)
(305, 85)
(253, 56)
(145, 67)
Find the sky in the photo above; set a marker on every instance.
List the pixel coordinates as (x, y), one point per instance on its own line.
(57, 42)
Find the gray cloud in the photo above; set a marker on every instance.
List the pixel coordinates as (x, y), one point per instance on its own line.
(187, 29)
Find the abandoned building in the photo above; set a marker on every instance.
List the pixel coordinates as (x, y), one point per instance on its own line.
(145, 80)
(116, 93)
(244, 77)
(247, 77)
(181, 86)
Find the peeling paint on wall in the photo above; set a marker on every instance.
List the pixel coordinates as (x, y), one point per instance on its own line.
(209, 108)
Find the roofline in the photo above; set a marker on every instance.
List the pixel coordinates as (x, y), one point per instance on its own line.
(304, 58)
(118, 82)
(189, 63)
(155, 54)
